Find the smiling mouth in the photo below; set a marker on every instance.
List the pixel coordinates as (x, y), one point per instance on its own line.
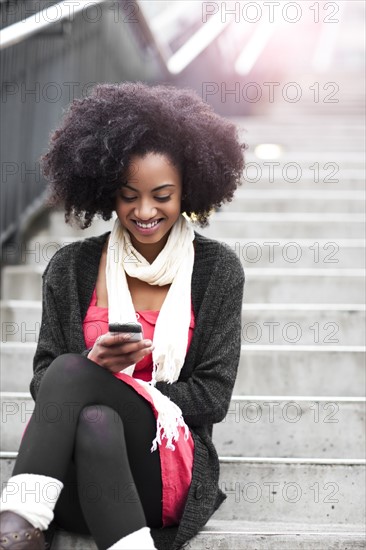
(147, 225)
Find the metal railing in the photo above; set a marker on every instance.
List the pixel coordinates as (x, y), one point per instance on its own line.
(50, 15)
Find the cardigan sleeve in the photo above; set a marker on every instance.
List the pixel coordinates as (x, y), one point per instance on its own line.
(205, 397)
(51, 341)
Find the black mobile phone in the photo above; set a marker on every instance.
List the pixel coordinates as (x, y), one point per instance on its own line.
(135, 329)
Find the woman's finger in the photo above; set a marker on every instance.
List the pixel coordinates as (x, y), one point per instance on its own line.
(125, 360)
(110, 339)
(122, 349)
(121, 356)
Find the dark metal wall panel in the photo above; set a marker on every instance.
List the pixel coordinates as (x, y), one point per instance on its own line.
(39, 78)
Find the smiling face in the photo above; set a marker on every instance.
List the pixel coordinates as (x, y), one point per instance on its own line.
(149, 203)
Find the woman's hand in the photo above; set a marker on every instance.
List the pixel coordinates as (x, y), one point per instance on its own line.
(114, 352)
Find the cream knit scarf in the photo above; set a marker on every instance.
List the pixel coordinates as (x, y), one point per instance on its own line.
(174, 265)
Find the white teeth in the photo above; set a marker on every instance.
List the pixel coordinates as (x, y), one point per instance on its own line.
(147, 225)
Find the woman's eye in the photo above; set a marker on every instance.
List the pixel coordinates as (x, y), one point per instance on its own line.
(162, 199)
(128, 199)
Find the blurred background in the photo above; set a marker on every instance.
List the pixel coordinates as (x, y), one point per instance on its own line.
(291, 76)
(247, 59)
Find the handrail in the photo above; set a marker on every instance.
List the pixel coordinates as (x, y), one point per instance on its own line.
(17, 32)
(175, 63)
(67, 9)
(197, 43)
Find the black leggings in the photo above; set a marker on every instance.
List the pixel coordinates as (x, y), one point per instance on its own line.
(93, 432)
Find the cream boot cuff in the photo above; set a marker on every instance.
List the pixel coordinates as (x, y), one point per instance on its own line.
(139, 540)
(33, 497)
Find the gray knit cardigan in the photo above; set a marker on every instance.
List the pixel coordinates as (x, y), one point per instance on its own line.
(204, 388)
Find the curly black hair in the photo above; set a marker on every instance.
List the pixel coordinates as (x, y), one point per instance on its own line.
(91, 150)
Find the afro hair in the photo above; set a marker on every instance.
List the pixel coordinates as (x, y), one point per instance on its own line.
(90, 152)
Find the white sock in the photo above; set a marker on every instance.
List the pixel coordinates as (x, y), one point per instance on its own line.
(139, 540)
(33, 497)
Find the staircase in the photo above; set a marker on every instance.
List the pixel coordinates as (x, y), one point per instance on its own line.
(292, 446)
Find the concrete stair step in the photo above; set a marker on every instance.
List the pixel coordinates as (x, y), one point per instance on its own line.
(300, 490)
(262, 323)
(255, 252)
(343, 159)
(297, 200)
(265, 490)
(299, 253)
(57, 227)
(263, 369)
(319, 123)
(302, 128)
(37, 251)
(329, 178)
(243, 535)
(260, 426)
(16, 366)
(24, 282)
(301, 370)
(289, 225)
(20, 320)
(330, 427)
(303, 324)
(310, 285)
(349, 104)
(311, 138)
(307, 144)
(332, 110)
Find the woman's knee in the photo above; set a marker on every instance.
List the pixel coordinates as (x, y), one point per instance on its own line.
(99, 428)
(68, 368)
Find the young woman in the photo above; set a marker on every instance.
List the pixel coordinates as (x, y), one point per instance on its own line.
(119, 445)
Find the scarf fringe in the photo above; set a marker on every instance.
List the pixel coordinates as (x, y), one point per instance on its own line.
(168, 364)
(169, 419)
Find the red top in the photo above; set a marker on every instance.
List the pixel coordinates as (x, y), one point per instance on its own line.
(176, 466)
(96, 323)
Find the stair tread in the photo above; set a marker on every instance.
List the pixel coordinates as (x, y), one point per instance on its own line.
(299, 461)
(242, 526)
(239, 397)
(243, 535)
(259, 527)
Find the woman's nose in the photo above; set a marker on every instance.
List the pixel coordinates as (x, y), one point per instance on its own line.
(145, 210)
